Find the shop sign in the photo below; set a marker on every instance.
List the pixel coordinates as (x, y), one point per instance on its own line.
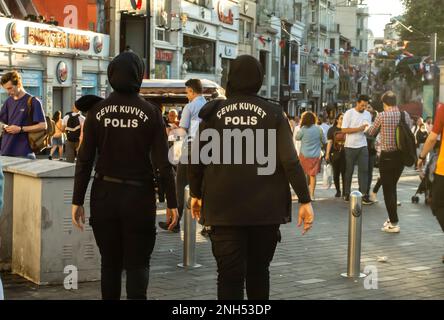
(98, 44)
(62, 72)
(228, 17)
(164, 55)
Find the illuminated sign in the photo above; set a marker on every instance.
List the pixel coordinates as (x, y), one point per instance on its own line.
(13, 35)
(225, 18)
(57, 39)
(164, 55)
(62, 72)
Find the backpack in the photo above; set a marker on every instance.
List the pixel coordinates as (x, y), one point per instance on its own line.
(73, 127)
(40, 140)
(405, 141)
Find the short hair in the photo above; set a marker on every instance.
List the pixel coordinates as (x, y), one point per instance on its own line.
(194, 84)
(12, 76)
(308, 119)
(363, 97)
(389, 98)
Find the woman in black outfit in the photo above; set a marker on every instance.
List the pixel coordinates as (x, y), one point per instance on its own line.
(335, 152)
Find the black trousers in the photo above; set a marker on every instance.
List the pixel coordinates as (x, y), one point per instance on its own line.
(390, 168)
(371, 165)
(438, 199)
(339, 171)
(181, 183)
(243, 255)
(123, 221)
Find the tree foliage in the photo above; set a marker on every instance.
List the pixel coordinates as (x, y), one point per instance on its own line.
(425, 17)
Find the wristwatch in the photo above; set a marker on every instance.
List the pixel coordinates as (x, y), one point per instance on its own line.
(21, 129)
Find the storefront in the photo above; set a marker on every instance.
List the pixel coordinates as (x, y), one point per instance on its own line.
(58, 65)
(163, 64)
(210, 40)
(199, 51)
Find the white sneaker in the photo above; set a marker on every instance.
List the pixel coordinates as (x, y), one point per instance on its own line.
(391, 229)
(373, 197)
(386, 223)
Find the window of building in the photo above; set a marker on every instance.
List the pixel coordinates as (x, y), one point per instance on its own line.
(203, 3)
(163, 19)
(303, 65)
(161, 35)
(263, 60)
(297, 7)
(333, 44)
(199, 54)
(248, 31)
(241, 31)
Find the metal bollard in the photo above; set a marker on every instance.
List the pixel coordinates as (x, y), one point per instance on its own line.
(189, 235)
(354, 237)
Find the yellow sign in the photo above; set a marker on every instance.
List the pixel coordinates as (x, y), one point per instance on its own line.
(57, 39)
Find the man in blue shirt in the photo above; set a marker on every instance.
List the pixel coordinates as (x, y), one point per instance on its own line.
(189, 122)
(14, 115)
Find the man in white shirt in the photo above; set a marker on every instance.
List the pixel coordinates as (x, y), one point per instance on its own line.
(355, 122)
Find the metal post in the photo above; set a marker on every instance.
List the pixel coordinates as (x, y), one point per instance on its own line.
(354, 237)
(434, 46)
(189, 235)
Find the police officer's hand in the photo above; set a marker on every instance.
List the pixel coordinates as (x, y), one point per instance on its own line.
(78, 216)
(172, 216)
(196, 205)
(306, 216)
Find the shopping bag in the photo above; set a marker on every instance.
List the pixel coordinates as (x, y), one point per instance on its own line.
(327, 177)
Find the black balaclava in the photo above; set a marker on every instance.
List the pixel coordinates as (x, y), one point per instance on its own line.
(125, 72)
(245, 77)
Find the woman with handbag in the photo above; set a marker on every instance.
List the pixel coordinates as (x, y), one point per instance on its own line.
(335, 153)
(312, 139)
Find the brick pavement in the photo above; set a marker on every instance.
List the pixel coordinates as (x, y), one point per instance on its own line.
(304, 267)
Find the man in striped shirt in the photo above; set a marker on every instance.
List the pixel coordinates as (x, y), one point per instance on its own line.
(390, 163)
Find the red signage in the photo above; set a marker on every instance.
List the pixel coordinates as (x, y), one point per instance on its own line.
(164, 55)
(225, 18)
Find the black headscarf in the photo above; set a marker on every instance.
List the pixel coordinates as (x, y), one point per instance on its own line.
(125, 72)
(245, 77)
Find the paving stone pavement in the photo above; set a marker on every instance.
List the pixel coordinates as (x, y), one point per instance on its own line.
(304, 267)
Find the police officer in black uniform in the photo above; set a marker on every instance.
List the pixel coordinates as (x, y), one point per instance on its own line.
(243, 207)
(126, 132)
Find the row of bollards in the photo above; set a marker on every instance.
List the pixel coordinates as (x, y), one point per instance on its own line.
(354, 236)
(189, 235)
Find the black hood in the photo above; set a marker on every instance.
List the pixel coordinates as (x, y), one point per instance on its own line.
(245, 77)
(85, 103)
(125, 72)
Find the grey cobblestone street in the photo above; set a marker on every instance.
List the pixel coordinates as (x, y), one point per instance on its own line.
(304, 267)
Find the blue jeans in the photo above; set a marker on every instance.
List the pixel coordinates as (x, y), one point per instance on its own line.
(357, 156)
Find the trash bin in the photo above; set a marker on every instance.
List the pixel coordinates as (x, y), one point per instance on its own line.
(45, 243)
(6, 216)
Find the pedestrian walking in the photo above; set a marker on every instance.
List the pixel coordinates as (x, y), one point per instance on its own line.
(355, 121)
(390, 163)
(58, 139)
(244, 203)
(123, 135)
(438, 181)
(335, 153)
(72, 125)
(189, 124)
(312, 140)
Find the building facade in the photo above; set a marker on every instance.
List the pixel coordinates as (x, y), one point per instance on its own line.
(58, 65)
